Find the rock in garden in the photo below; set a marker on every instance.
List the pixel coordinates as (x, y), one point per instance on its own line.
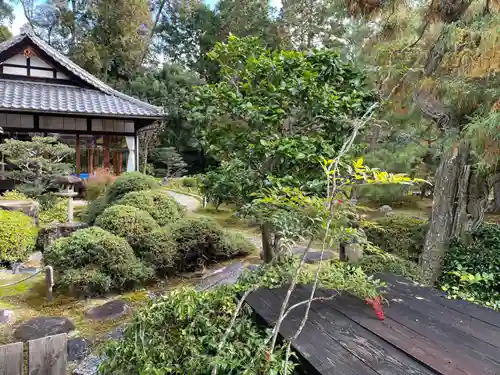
(6, 316)
(315, 256)
(43, 326)
(226, 275)
(253, 267)
(78, 349)
(385, 209)
(110, 310)
(116, 333)
(48, 235)
(89, 365)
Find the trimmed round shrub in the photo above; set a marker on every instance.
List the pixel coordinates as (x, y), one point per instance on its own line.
(189, 182)
(127, 222)
(400, 235)
(158, 203)
(17, 236)
(236, 244)
(94, 209)
(158, 250)
(93, 261)
(130, 181)
(202, 241)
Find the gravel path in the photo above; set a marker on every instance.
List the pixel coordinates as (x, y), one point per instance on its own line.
(190, 202)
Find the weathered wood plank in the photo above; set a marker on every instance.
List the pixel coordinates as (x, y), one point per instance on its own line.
(441, 357)
(361, 343)
(321, 353)
(437, 322)
(48, 355)
(439, 297)
(11, 359)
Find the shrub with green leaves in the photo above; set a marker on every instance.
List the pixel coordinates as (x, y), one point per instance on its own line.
(130, 181)
(203, 241)
(189, 182)
(471, 268)
(127, 222)
(94, 209)
(392, 195)
(93, 261)
(158, 203)
(181, 333)
(400, 235)
(17, 236)
(388, 263)
(158, 250)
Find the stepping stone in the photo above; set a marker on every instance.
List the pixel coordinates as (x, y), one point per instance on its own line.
(116, 333)
(6, 316)
(78, 348)
(43, 326)
(89, 366)
(253, 267)
(224, 276)
(110, 310)
(315, 256)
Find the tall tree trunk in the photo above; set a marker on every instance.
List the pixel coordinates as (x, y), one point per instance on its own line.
(460, 200)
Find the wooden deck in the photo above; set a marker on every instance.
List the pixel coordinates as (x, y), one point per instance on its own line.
(422, 334)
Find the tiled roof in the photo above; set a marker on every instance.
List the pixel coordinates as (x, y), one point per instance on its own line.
(47, 97)
(41, 96)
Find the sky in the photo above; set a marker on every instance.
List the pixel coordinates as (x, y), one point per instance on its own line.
(20, 20)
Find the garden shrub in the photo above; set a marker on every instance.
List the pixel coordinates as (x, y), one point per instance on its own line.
(400, 235)
(17, 236)
(392, 195)
(203, 241)
(127, 222)
(158, 203)
(181, 333)
(158, 250)
(53, 211)
(471, 268)
(189, 182)
(14, 195)
(130, 181)
(93, 261)
(236, 243)
(94, 209)
(388, 263)
(98, 183)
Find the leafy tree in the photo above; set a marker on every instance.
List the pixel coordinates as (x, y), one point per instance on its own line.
(108, 38)
(277, 111)
(168, 162)
(438, 58)
(6, 15)
(37, 162)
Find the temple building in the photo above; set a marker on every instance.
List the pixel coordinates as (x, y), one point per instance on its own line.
(44, 93)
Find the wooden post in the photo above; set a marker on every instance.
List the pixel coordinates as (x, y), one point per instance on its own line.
(106, 152)
(11, 359)
(48, 355)
(91, 160)
(78, 167)
(49, 280)
(120, 162)
(95, 152)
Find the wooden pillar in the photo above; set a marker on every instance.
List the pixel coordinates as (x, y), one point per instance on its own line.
(120, 162)
(106, 152)
(90, 152)
(78, 166)
(95, 153)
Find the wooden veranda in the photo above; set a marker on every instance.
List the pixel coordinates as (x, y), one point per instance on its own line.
(423, 333)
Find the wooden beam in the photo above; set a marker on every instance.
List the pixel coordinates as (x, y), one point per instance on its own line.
(78, 167)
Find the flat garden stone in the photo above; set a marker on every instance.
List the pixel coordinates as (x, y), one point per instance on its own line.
(253, 267)
(78, 349)
(6, 316)
(89, 366)
(110, 310)
(43, 326)
(116, 333)
(315, 256)
(225, 276)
